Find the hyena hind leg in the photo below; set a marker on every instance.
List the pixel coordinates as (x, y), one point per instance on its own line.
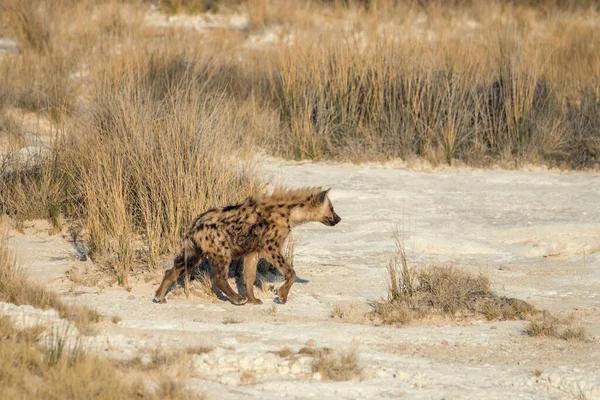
(172, 274)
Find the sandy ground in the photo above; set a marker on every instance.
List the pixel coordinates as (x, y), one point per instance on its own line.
(535, 234)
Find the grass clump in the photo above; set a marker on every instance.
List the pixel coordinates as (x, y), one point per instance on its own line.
(336, 367)
(547, 325)
(338, 311)
(230, 320)
(442, 290)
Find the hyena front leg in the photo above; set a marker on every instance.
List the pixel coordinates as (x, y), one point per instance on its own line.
(220, 267)
(250, 265)
(288, 272)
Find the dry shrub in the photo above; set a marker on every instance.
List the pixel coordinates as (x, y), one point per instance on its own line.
(445, 290)
(547, 325)
(17, 288)
(336, 367)
(393, 313)
(417, 293)
(451, 289)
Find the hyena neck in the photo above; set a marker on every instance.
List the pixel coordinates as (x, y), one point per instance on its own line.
(301, 215)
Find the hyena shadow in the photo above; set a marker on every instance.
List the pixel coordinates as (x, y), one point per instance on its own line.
(268, 278)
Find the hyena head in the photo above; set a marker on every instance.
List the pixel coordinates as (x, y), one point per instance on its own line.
(319, 208)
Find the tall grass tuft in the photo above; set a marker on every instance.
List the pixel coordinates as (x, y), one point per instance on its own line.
(162, 154)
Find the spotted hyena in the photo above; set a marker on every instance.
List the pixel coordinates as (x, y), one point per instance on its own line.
(255, 228)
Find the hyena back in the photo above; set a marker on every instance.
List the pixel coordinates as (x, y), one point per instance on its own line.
(256, 227)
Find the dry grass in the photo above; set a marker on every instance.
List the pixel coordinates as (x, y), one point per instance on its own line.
(196, 350)
(547, 325)
(230, 320)
(202, 286)
(487, 95)
(443, 290)
(17, 288)
(341, 311)
(337, 367)
(29, 370)
(448, 291)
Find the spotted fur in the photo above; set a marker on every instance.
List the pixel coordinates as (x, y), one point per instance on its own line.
(256, 227)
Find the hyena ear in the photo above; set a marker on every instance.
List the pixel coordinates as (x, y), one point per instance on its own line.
(322, 196)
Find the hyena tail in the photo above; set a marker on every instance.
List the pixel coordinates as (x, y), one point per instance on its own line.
(189, 257)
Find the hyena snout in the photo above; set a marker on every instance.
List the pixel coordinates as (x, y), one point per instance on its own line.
(332, 220)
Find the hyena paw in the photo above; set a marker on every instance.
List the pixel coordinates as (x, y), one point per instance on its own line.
(239, 300)
(156, 300)
(255, 301)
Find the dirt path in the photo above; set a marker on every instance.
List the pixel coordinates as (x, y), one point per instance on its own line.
(536, 234)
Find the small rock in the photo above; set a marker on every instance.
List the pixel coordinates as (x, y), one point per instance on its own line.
(311, 343)
(445, 342)
(131, 297)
